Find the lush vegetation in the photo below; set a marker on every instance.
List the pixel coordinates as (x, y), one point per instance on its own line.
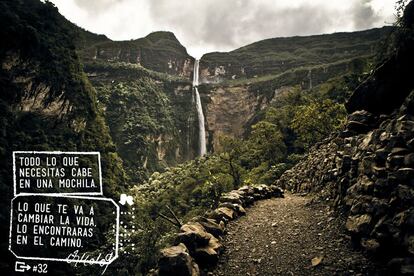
(148, 115)
(158, 51)
(296, 120)
(46, 102)
(278, 55)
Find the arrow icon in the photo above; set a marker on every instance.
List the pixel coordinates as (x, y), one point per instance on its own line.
(21, 267)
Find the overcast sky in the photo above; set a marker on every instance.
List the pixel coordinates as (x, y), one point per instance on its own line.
(221, 25)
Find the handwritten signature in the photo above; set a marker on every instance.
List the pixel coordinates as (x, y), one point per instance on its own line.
(76, 258)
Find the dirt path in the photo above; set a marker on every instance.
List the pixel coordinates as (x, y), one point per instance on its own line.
(282, 236)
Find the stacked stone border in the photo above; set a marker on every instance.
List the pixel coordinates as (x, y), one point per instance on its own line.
(198, 243)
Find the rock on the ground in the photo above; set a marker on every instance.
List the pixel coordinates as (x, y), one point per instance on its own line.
(176, 260)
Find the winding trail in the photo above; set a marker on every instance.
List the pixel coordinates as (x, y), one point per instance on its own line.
(281, 236)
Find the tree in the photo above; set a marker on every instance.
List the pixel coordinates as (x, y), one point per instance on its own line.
(315, 121)
(230, 153)
(399, 9)
(266, 143)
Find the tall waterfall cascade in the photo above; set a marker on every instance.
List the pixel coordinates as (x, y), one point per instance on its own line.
(200, 114)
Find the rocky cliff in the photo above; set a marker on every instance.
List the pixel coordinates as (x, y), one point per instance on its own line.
(158, 51)
(144, 89)
(367, 169)
(278, 55)
(46, 103)
(238, 85)
(151, 116)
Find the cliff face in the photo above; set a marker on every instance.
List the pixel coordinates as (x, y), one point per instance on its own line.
(151, 116)
(239, 84)
(278, 55)
(46, 102)
(144, 89)
(236, 87)
(229, 110)
(158, 51)
(368, 168)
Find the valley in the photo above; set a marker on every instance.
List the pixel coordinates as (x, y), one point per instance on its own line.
(257, 160)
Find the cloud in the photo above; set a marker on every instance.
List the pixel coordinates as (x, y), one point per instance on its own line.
(364, 15)
(95, 7)
(207, 25)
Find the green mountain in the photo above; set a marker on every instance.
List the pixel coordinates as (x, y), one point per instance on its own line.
(278, 55)
(151, 116)
(240, 84)
(65, 88)
(46, 103)
(158, 51)
(237, 86)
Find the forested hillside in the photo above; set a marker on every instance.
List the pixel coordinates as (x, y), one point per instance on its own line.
(47, 102)
(159, 65)
(266, 106)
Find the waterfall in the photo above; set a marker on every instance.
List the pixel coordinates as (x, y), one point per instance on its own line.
(200, 114)
(310, 79)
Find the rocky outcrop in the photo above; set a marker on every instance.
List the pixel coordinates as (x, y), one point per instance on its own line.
(229, 110)
(158, 51)
(198, 242)
(175, 260)
(367, 169)
(387, 86)
(232, 107)
(278, 55)
(152, 118)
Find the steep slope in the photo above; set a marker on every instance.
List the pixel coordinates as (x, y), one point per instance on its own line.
(46, 102)
(237, 87)
(278, 55)
(151, 116)
(367, 169)
(144, 90)
(158, 51)
(239, 84)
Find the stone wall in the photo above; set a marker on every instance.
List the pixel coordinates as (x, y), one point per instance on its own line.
(368, 169)
(198, 241)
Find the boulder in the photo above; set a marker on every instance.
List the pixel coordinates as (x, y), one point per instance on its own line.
(405, 128)
(235, 207)
(362, 116)
(193, 235)
(232, 197)
(404, 196)
(211, 226)
(247, 190)
(276, 191)
(262, 191)
(409, 160)
(359, 224)
(405, 175)
(223, 213)
(208, 255)
(409, 243)
(371, 245)
(380, 172)
(357, 127)
(176, 261)
(395, 161)
(381, 155)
